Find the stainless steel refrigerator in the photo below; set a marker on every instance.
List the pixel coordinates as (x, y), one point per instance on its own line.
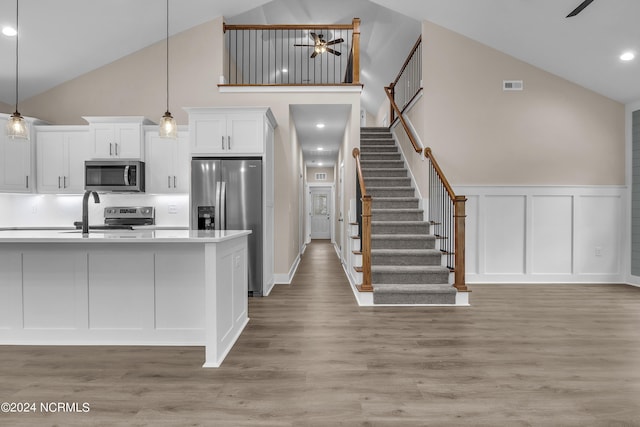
(226, 194)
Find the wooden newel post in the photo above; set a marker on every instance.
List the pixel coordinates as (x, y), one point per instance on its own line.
(356, 50)
(366, 244)
(459, 214)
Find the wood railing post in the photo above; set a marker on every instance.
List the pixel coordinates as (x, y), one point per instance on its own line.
(459, 214)
(366, 245)
(392, 117)
(356, 50)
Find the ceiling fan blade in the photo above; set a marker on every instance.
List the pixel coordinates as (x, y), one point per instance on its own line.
(336, 41)
(314, 54)
(315, 38)
(305, 45)
(335, 52)
(579, 9)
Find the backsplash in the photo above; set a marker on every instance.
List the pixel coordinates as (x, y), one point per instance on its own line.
(45, 210)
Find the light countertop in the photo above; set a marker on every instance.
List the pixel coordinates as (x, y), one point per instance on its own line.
(120, 236)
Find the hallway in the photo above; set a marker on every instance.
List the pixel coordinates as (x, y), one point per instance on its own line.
(521, 355)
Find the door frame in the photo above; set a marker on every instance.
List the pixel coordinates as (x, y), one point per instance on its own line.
(307, 208)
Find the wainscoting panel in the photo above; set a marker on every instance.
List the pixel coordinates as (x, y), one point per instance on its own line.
(551, 234)
(547, 234)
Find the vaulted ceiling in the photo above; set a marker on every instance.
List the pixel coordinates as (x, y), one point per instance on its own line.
(62, 39)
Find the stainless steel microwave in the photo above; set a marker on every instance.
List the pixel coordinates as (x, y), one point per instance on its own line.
(114, 175)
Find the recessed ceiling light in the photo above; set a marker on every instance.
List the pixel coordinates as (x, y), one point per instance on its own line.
(320, 125)
(627, 56)
(284, 70)
(9, 31)
(319, 164)
(320, 148)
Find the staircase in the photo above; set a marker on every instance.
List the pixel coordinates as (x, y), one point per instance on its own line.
(406, 267)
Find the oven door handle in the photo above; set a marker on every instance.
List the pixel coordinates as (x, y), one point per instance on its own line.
(126, 176)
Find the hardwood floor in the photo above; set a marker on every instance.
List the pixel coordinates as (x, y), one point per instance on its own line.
(562, 355)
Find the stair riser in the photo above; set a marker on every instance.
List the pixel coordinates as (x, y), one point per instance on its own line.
(413, 298)
(378, 149)
(383, 164)
(384, 173)
(380, 156)
(373, 143)
(376, 135)
(406, 259)
(397, 216)
(428, 243)
(400, 228)
(388, 182)
(395, 204)
(391, 192)
(412, 277)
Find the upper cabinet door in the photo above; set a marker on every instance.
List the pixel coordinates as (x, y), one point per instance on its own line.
(15, 164)
(244, 133)
(210, 134)
(167, 163)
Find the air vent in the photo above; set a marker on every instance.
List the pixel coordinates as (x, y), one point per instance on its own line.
(321, 177)
(512, 85)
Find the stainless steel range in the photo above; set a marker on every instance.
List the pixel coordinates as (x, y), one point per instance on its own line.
(129, 216)
(125, 218)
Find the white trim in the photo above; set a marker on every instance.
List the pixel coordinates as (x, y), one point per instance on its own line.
(286, 279)
(290, 89)
(584, 243)
(629, 109)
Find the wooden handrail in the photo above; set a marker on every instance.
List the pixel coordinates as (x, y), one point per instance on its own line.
(406, 62)
(289, 26)
(429, 154)
(416, 147)
(356, 155)
(365, 238)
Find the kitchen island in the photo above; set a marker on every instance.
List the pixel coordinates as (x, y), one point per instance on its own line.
(140, 287)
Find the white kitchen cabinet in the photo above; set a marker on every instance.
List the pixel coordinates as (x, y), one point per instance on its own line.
(61, 152)
(117, 137)
(17, 160)
(228, 131)
(167, 162)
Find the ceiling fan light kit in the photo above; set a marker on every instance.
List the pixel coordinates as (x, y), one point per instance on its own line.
(320, 45)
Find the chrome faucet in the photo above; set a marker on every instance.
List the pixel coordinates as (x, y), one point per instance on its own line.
(85, 210)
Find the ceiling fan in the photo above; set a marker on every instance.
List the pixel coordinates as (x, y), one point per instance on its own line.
(579, 9)
(320, 45)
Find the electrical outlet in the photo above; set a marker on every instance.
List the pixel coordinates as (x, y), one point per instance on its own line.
(34, 209)
(598, 250)
(173, 209)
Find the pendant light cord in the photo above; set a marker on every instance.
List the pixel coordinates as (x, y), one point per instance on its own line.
(17, 50)
(167, 44)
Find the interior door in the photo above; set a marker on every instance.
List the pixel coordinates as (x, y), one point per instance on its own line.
(320, 211)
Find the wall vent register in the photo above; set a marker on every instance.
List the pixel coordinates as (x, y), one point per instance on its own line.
(510, 85)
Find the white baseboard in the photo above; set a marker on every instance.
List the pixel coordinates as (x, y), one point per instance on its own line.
(286, 279)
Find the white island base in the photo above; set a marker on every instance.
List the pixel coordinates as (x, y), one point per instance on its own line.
(169, 287)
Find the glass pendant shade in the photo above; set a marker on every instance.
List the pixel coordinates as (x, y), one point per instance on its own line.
(17, 127)
(168, 126)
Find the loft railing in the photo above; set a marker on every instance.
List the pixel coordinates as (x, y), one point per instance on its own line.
(363, 211)
(289, 55)
(408, 83)
(446, 209)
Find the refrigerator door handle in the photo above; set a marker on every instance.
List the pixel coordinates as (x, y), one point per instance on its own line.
(223, 207)
(216, 219)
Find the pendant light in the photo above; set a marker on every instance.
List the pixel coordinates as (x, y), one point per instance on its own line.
(16, 126)
(168, 126)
